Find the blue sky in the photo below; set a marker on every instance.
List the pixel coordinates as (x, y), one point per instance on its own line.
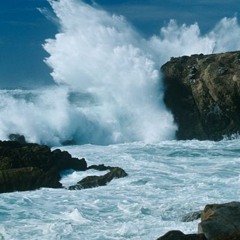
(24, 29)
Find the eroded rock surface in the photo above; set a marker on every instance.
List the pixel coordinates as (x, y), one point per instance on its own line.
(203, 93)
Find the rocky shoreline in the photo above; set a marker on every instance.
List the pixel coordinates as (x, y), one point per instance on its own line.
(29, 166)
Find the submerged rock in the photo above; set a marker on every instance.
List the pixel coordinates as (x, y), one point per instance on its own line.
(191, 216)
(96, 181)
(203, 93)
(100, 167)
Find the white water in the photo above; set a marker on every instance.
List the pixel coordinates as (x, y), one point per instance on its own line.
(166, 181)
(108, 84)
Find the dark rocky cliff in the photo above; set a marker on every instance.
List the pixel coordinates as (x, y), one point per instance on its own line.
(203, 93)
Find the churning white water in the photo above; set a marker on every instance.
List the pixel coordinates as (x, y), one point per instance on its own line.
(166, 181)
(109, 89)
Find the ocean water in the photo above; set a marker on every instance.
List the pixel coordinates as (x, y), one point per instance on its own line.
(165, 181)
(108, 100)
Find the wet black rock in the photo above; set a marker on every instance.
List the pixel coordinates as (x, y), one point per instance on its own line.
(96, 181)
(100, 167)
(63, 160)
(28, 166)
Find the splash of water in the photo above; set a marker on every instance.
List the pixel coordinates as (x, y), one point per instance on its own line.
(108, 84)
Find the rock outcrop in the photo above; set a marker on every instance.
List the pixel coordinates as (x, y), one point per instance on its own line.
(221, 221)
(218, 222)
(96, 181)
(203, 93)
(28, 166)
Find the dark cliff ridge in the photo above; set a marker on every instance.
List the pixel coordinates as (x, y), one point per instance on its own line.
(203, 93)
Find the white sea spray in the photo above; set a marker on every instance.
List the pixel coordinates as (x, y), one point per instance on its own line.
(108, 87)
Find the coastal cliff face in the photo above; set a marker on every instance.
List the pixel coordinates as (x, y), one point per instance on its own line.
(203, 93)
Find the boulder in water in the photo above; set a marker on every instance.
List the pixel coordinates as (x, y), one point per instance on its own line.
(221, 221)
(218, 222)
(96, 181)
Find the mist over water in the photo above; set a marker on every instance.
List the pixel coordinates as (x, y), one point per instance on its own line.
(108, 85)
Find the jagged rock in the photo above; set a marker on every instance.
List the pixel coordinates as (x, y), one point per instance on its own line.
(63, 160)
(96, 181)
(203, 93)
(17, 155)
(28, 166)
(178, 235)
(221, 221)
(191, 216)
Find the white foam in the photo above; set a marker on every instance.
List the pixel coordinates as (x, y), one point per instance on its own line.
(162, 186)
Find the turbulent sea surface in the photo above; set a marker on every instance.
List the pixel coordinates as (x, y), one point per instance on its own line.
(108, 99)
(166, 181)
